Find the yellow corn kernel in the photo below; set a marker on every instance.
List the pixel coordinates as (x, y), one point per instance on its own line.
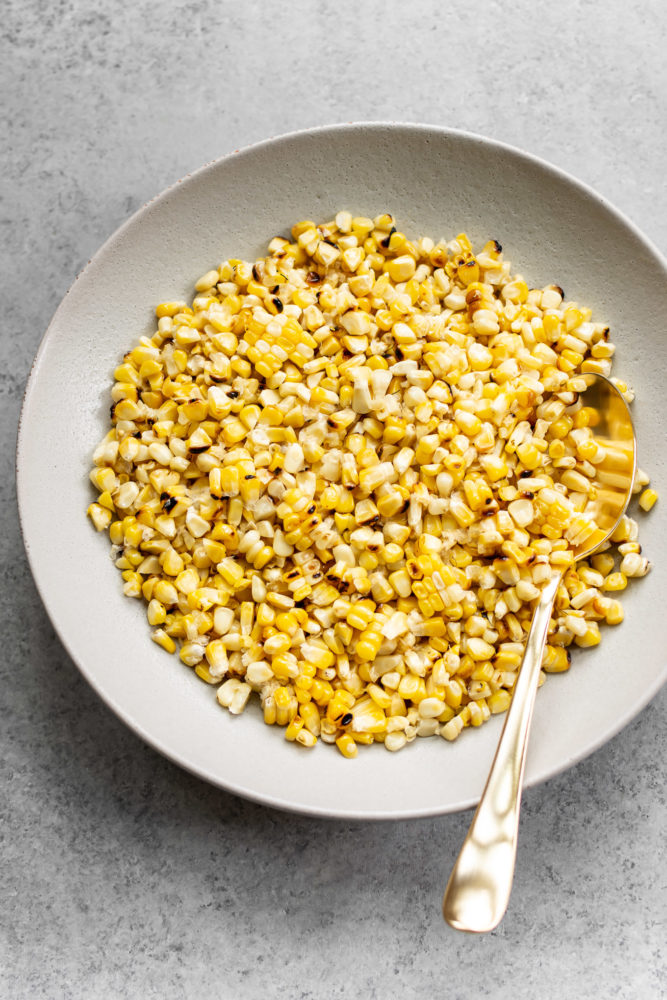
(379, 696)
(529, 456)
(227, 534)
(412, 688)
(477, 492)
(401, 268)
(264, 556)
(156, 613)
(170, 309)
(603, 563)
(322, 692)
(100, 516)
(347, 745)
(282, 697)
(116, 534)
(361, 614)
(454, 693)
(163, 640)
(311, 717)
(340, 705)
(461, 512)
(294, 728)
(364, 739)
(556, 659)
(614, 614)
(172, 563)
(434, 626)
(233, 431)
(590, 638)
(270, 711)
(453, 728)
(648, 499)
(203, 672)
(368, 644)
(499, 701)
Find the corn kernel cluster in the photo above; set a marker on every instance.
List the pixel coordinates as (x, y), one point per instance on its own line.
(340, 477)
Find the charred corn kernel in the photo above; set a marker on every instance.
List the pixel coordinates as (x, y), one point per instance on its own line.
(339, 706)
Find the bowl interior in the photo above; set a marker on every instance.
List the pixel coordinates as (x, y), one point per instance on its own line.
(436, 183)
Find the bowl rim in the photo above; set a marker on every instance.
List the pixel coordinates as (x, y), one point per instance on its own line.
(126, 716)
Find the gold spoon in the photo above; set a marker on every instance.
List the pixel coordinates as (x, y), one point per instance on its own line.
(479, 886)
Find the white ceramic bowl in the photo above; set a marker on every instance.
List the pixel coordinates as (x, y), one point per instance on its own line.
(435, 182)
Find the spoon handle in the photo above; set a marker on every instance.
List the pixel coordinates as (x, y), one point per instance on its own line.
(479, 886)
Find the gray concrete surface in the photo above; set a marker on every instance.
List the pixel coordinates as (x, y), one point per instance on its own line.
(123, 876)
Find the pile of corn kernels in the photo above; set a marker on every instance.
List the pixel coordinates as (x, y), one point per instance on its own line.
(340, 477)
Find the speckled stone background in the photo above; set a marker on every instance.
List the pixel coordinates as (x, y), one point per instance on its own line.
(122, 875)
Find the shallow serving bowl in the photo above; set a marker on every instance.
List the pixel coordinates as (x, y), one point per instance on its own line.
(435, 182)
